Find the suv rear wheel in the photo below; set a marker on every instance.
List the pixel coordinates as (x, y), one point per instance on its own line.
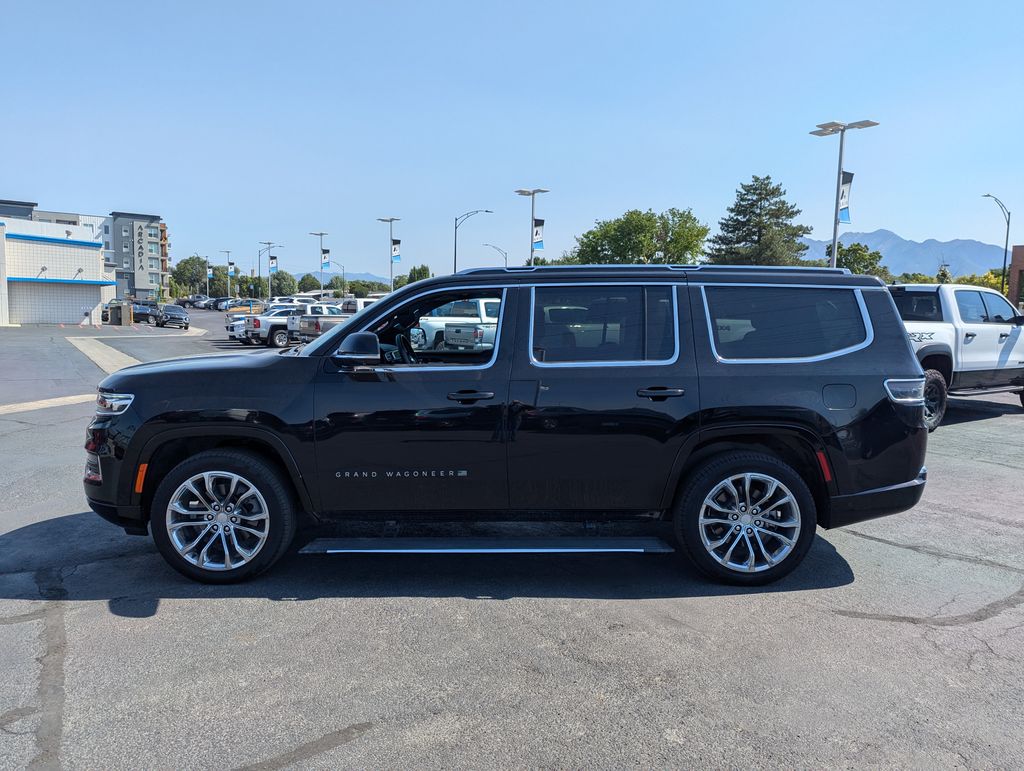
(223, 516)
(745, 518)
(934, 398)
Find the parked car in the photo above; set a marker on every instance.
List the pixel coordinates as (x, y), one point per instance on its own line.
(235, 322)
(721, 412)
(193, 300)
(476, 311)
(172, 316)
(223, 303)
(271, 328)
(968, 339)
(144, 311)
(309, 326)
(314, 314)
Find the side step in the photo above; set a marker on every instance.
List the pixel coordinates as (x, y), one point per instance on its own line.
(984, 391)
(493, 545)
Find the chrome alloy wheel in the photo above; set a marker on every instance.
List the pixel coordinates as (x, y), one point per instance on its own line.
(749, 522)
(218, 520)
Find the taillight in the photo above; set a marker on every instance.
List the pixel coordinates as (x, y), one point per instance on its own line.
(316, 326)
(478, 334)
(256, 323)
(909, 391)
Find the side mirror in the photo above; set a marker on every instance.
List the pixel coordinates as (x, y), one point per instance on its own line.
(1018, 320)
(417, 338)
(358, 349)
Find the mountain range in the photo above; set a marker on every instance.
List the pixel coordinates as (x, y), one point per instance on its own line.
(900, 255)
(348, 276)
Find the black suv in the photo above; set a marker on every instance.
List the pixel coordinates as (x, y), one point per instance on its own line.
(722, 412)
(172, 315)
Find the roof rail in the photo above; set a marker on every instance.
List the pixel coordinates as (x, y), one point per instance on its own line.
(661, 266)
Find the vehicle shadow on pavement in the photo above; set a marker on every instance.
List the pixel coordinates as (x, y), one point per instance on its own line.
(971, 410)
(94, 561)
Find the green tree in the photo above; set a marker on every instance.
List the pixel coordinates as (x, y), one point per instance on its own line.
(915, 278)
(308, 283)
(190, 274)
(992, 279)
(944, 276)
(401, 280)
(283, 283)
(857, 258)
(759, 228)
(642, 237)
(418, 273)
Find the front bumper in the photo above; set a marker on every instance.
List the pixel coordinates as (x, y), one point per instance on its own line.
(848, 509)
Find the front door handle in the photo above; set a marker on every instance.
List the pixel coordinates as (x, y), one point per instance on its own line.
(468, 397)
(968, 336)
(1003, 336)
(659, 393)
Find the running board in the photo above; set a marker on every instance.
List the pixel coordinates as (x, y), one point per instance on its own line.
(493, 545)
(984, 391)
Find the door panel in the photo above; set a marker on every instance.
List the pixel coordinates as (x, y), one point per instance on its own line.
(978, 344)
(1010, 354)
(580, 435)
(409, 438)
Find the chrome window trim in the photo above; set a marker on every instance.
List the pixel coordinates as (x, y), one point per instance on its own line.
(578, 364)
(847, 287)
(455, 367)
(869, 330)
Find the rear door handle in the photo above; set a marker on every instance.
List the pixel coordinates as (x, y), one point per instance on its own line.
(468, 397)
(659, 393)
(1003, 336)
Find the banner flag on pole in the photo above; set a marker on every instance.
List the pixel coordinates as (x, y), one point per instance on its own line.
(273, 264)
(844, 197)
(231, 268)
(538, 234)
(209, 272)
(396, 250)
(325, 258)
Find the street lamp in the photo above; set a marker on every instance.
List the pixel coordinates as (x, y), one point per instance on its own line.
(228, 253)
(267, 246)
(391, 237)
(827, 130)
(343, 283)
(458, 221)
(532, 194)
(1006, 244)
(321, 234)
(503, 253)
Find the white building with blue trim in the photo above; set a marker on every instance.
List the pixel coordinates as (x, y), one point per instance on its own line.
(52, 272)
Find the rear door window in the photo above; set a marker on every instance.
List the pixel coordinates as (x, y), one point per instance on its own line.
(583, 324)
(918, 305)
(779, 323)
(971, 307)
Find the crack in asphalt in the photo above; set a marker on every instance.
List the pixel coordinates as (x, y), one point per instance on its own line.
(939, 553)
(50, 692)
(311, 749)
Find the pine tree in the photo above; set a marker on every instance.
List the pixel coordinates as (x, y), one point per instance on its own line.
(758, 228)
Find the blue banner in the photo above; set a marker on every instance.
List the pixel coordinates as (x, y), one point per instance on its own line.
(844, 197)
(396, 250)
(538, 234)
(273, 265)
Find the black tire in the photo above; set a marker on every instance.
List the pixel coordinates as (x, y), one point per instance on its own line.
(935, 399)
(269, 481)
(702, 481)
(278, 338)
(245, 340)
(185, 327)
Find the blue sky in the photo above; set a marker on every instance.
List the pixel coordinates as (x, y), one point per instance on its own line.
(242, 122)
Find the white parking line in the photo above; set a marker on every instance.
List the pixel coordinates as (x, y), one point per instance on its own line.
(103, 356)
(58, 401)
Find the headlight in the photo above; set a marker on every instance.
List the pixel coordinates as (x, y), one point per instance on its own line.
(909, 391)
(112, 404)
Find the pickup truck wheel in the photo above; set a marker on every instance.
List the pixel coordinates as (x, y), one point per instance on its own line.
(245, 340)
(278, 338)
(934, 399)
(745, 518)
(223, 516)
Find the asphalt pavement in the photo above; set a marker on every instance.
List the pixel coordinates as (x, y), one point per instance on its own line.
(899, 642)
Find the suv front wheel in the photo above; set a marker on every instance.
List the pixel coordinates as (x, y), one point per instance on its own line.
(223, 516)
(745, 518)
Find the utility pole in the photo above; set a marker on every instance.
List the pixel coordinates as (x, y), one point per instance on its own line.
(228, 253)
(502, 252)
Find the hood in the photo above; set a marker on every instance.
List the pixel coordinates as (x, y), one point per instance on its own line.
(192, 368)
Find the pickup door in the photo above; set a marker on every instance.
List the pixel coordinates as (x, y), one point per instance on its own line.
(989, 347)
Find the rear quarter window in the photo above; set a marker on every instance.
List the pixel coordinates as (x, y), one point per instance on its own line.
(918, 305)
(756, 323)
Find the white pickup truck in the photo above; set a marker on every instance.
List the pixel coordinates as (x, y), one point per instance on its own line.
(271, 328)
(463, 313)
(969, 340)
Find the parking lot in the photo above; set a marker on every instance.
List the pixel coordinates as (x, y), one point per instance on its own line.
(900, 641)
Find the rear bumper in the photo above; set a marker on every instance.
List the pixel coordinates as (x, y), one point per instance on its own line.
(848, 509)
(128, 517)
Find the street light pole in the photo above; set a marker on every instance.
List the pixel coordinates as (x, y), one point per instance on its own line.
(343, 283)
(321, 234)
(503, 253)
(391, 237)
(827, 130)
(458, 221)
(1006, 243)
(228, 253)
(533, 213)
(207, 276)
